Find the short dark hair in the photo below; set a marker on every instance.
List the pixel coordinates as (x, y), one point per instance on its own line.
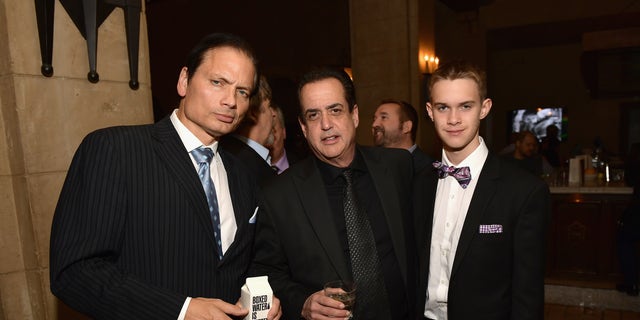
(217, 40)
(327, 73)
(407, 113)
(523, 134)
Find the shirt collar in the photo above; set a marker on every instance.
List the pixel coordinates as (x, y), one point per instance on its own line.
(474, 161)
(189, 140)
(413, 148)
(330, 173)
(257, 147)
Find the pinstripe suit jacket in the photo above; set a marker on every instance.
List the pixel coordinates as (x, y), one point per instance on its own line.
(132, 236)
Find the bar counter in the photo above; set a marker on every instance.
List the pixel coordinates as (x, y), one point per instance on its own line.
(581, 247)
(607, 189)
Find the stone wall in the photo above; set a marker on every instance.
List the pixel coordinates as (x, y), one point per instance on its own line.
(42, 121)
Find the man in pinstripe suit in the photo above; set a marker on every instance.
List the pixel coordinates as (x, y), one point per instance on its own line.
(132, 235)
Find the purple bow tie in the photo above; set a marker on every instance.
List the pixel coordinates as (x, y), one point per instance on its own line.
(462, 174)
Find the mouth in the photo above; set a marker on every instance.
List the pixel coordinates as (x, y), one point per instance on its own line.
(226, 118)
(456, 132)
(329, 139)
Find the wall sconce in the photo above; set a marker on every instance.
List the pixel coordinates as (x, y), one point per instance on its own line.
(431, 63)
(348, 71)
(87, 15)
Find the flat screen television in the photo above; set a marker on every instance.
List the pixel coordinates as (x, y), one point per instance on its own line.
(537, 120)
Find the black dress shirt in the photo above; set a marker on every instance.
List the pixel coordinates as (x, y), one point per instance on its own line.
(368, 200)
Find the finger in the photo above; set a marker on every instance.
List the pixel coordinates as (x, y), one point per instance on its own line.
(275, 312)
(330, 302)
(333, 312)
(232, 309)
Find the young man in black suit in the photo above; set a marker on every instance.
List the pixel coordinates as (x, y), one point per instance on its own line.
(304, 236)
(481, 226)
(135, 234)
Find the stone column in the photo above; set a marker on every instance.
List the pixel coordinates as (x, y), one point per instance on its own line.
(42, 121)
(387, 39)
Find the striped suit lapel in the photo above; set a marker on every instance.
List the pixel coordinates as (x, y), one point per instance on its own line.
(170, 150)
(243, 208)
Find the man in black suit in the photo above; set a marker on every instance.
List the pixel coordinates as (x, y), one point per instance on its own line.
(254, 134)
(303, 239)
(481, 226)
(134, 235)
(395, 125)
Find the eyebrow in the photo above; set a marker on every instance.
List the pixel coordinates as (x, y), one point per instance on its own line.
(471, 102)
(225, 80)
(331, 106)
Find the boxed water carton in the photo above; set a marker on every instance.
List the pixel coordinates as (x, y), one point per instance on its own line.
(256, 295)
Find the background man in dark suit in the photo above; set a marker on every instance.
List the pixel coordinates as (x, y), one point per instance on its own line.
(481, 241)
(133, 235)
(254, 134)
(303, 237)
(281, 158)
(395, 124)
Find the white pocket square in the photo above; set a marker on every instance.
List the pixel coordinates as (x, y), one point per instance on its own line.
(490, 228)
(252, 220)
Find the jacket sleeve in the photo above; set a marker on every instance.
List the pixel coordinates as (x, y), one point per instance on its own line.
(529, 254)
(270, 259)
(87, 237)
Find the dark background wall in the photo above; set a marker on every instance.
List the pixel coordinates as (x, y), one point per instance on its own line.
(535, 56)
(533, 52)
(289, 36)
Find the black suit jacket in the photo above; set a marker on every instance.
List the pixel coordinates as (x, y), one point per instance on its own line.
(132, 235)
(258, 167)
(297, 243)
(494, 276)
(420, 160)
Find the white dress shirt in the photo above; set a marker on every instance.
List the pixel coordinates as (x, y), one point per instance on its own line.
(449, 213)
(228, 226)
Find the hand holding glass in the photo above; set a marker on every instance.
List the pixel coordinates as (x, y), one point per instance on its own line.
(343, 291)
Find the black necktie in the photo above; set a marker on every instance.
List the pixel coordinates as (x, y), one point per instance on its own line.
(371, 296)
(203, 157)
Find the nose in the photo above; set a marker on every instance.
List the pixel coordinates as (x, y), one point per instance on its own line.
(325, 122)
(229, 97)
(453, 118)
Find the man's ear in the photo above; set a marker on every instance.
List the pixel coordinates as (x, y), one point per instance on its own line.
(407, 126)
(183, 82)
(354, 115)
(429, 108)
(486, 107)
(303, 127)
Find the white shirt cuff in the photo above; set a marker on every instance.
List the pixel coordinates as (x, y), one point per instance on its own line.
(185, 306)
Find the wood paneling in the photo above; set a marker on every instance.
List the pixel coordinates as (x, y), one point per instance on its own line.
(581, 242)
